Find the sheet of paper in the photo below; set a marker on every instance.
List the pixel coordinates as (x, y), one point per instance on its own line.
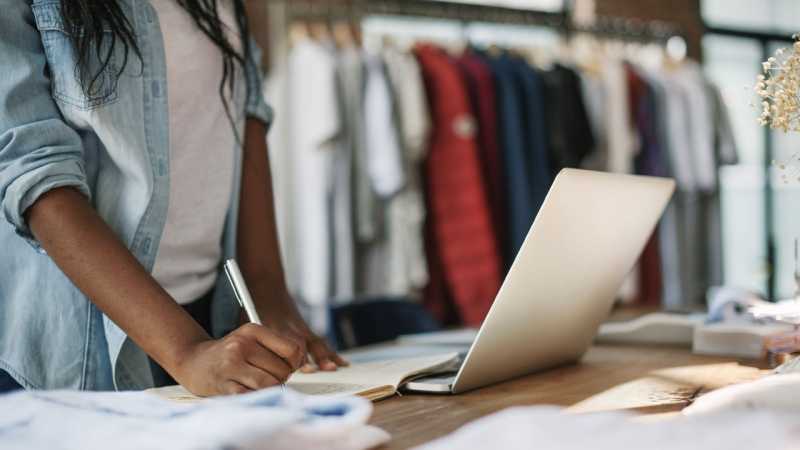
(462, 337)
(377, 373)
(399, 351)
(330, 388)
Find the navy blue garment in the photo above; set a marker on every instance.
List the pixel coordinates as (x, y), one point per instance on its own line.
(8, 383)
(512, 145)
(379, 320)
(535, 132)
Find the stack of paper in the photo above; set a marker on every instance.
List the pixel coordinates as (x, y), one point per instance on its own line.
(740, 340)
(656, 328)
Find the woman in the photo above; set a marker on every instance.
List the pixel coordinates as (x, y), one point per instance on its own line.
(132, 162)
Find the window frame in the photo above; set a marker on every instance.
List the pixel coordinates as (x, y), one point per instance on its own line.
(765, 40)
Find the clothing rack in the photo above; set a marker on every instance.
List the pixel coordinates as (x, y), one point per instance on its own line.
(608, 27)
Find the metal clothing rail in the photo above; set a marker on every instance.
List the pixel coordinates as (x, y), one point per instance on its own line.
(610, 27)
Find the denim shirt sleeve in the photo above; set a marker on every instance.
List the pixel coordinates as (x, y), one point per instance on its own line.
(256, 106)
(38, 150)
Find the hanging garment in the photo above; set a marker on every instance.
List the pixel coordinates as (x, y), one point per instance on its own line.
(512, 147)
(314, 126)
(725, 153)
(700, 120)
(621, 142)
(385, 168)
(649, 161)
(569, 131)
(669, 233)
(352, 77)
(276, 88)
(351, 194)
(595, 97)
(384, 157)
(697, 198)
(682, 247)
(620, 136)
(459, 209)
(481, 87)
(535, 130)
(405, 215)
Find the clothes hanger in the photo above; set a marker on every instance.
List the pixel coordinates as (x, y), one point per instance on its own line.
(298, 32)
(343, 35)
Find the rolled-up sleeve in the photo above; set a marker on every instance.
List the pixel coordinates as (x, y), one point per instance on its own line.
(38, 151)
(256, 106)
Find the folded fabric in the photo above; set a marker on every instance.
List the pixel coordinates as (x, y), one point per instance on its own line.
(268, 419)
(550, 428)
(775, 393)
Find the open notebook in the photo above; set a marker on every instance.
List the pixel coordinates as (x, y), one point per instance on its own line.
(373, 380)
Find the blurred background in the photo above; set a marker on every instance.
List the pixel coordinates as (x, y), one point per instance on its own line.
(415, 140)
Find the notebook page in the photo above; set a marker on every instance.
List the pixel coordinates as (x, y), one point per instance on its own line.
(377, 377)
(370, 375)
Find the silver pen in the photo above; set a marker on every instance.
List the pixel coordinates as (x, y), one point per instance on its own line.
(243, 294)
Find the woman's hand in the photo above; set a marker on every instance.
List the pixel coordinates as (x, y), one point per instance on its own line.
(258, 251)
(320, 354)
(281, 316)
(249, 358)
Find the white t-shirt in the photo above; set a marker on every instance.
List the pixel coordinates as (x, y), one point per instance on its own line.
(202, 143)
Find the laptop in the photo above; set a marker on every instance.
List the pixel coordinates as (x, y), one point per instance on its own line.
(584, 241)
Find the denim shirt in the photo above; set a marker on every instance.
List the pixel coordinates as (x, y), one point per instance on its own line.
(112, 146)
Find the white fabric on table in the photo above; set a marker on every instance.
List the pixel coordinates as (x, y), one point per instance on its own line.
(269, 419)
(549, 428)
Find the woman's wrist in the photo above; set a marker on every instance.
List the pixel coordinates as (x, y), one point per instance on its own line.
(179, 347)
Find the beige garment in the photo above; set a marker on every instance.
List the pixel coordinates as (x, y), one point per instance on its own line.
(202, 151)
(407, 265)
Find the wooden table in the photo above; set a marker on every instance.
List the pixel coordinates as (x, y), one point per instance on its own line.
(609, 377)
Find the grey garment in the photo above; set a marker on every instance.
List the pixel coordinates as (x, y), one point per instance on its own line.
(385, 171)
(342, 236)
(405, 214)
(690, 232)
(670, 229)
(681, 231)
(725, 153)
(345, 189)
(363, 206)
(726, 150)
(595, 97)
(353, 77)
(700, 129)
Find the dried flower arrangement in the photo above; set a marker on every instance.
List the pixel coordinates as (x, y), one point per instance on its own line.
(779, 89)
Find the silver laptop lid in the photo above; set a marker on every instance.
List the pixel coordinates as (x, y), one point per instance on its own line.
(562, 284)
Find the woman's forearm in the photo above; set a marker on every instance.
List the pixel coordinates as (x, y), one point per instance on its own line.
(258, 247)
(86, 249)
(259, 252)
